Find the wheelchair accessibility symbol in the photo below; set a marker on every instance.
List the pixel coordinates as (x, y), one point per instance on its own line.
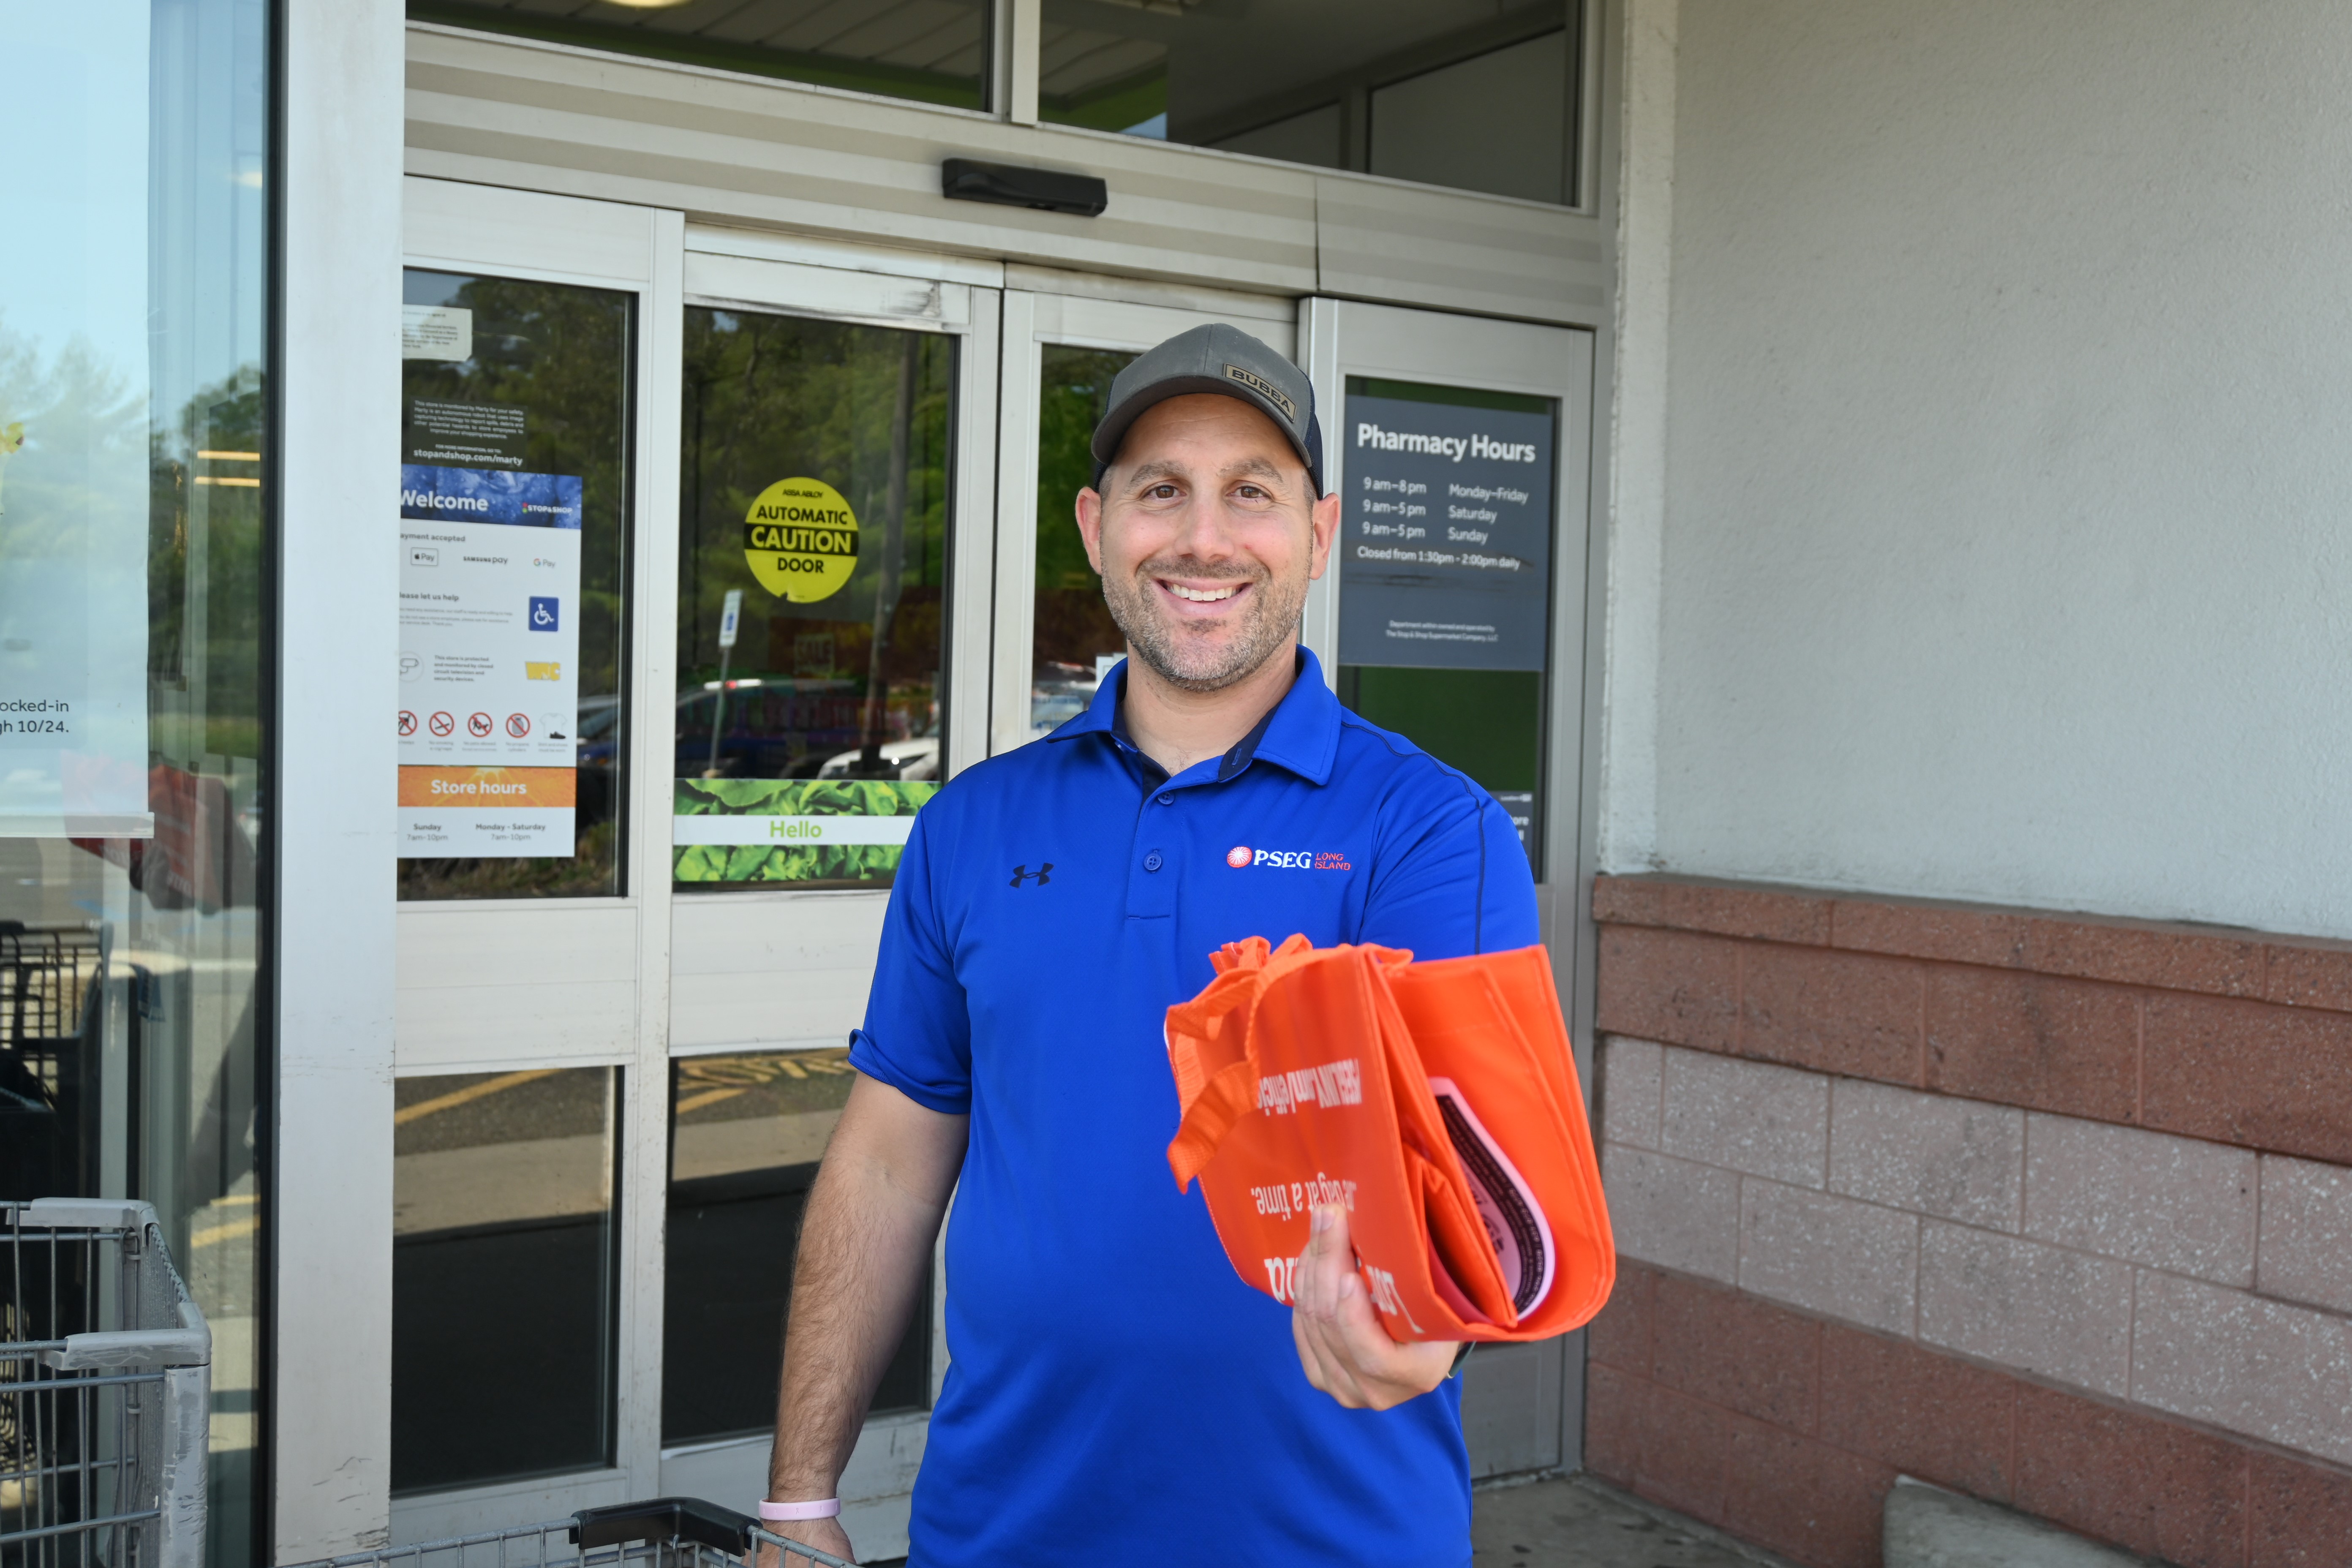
(542, 614)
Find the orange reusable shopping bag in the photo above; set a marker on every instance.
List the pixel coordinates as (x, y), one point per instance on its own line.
(1436, 1102)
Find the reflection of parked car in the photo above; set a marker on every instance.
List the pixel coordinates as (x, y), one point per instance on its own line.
(801, 728)
(595, 746)
(915, 759)
(1054, 703)
(595, 733)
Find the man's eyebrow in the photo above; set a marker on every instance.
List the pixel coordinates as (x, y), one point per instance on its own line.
(1153, 472)
(1262, 467)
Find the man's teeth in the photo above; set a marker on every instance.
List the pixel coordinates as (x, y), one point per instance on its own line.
(1200, 595)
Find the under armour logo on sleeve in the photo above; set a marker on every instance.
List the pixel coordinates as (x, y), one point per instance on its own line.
(1023, 874)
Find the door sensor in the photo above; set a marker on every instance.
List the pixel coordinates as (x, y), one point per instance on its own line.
(1008, 184)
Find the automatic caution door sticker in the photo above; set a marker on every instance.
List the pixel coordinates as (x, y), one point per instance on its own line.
(801, 539)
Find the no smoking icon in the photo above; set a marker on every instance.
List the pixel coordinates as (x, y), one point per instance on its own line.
(480, 725)
(441, 723)
(407, 723)
(517, 726)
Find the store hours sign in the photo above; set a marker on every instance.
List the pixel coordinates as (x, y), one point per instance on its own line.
(1445, 536)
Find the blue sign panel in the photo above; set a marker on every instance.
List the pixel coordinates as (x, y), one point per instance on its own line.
(1445, 536)
(489, 495)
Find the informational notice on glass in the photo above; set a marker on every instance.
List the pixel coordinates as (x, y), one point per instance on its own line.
(489, 628)
(74, 430)
(1445, 536)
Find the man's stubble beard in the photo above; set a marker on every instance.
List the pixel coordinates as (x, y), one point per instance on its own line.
(1269, 623)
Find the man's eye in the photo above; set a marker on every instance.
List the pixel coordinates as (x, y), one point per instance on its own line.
(1162, 492)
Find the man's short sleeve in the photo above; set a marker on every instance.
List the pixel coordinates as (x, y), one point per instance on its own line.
(918, 1032)
(1455, 881)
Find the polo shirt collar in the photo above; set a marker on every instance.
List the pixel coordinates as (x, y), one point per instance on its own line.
(1299, 733)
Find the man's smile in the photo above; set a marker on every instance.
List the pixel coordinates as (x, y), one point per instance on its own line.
(1203, 595)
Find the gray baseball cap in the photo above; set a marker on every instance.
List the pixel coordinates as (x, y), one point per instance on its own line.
(1219, 359)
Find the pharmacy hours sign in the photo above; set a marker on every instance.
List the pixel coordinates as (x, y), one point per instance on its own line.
(1445, 535)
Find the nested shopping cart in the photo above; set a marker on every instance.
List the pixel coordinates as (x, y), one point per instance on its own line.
(105, 1390)
(667, 1533)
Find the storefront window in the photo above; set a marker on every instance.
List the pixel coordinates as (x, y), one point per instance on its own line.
(505, 1274)
(811, 598)
(514, 512)
(934, 51)
(135, 462)
(1444, 564)
(1476, 96)
(746, 1133)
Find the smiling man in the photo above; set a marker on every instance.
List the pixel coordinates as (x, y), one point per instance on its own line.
(1115, 1395)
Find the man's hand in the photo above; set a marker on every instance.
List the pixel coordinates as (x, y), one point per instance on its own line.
(824, 1534)
(1342, 1345)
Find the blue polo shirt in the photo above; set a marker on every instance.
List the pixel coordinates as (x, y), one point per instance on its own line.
(1115, 1394)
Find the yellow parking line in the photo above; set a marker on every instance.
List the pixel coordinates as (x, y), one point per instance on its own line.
(408, 1113)
(235, 1228)
(708, 1097)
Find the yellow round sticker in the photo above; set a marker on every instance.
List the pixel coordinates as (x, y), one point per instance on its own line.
(801, 539)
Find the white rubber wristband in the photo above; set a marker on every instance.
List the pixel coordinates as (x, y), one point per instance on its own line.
(826, 1509)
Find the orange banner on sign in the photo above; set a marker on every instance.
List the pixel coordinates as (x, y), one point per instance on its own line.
(546, 789)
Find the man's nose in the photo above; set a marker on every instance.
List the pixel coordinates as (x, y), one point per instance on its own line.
(1205, 534)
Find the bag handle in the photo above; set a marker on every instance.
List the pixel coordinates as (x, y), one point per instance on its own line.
(1216, 1083)
(1210, 1052)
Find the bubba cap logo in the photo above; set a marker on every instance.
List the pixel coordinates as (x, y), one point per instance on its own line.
(1238, 855)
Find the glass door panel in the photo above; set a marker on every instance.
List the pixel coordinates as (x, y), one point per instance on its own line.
(747, 1131)
(514, 508)
(814, 558)
(505, 1274)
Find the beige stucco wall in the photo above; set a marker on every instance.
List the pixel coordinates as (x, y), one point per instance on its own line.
(1981, 473)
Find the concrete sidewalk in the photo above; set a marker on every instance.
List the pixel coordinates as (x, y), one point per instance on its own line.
(1577, 1522)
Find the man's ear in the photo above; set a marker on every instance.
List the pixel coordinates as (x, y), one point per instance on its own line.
(1090, 521)
(1323, 524)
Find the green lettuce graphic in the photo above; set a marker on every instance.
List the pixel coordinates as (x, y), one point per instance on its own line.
(839, 864)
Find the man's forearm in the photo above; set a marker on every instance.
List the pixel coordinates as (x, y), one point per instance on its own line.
(872, 1219)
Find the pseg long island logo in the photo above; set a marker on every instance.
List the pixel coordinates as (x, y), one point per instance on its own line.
(801, 540)
(1241, 858)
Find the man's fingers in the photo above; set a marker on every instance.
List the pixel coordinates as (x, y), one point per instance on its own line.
(1325, 1362)
(1323, 1263)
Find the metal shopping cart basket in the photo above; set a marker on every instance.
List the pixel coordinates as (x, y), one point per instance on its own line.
(667, 1533)
(105, 1390)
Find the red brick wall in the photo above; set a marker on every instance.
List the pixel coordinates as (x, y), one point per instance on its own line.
(2232, 1036)
(1787, 1430)
(1786, 1427)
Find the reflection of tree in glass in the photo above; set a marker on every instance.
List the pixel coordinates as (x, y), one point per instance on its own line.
(1073, 623)
(196, 521)
(75, 421)
(865, 410)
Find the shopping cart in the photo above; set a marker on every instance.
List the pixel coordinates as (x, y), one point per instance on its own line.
(105, 1390)
(665, 1532)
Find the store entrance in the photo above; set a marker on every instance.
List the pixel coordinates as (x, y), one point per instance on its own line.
(777, 537)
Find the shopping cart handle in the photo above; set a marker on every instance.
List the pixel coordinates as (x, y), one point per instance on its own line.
(664, 1519)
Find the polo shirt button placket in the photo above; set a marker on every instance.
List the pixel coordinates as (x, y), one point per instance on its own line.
(1166, 798)
(1152, 861)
